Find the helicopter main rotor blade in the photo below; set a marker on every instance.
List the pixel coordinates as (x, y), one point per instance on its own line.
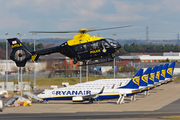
(111, 28)
(54, 32)
(81, 30)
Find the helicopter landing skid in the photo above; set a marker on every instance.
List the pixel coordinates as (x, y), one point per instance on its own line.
(96, 63)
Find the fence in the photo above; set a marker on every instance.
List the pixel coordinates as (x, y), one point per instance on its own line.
(51, 75)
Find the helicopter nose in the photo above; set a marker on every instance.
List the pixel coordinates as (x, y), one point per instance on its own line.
(118, 47)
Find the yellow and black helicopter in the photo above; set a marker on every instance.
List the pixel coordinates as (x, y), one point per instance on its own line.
(82, 47)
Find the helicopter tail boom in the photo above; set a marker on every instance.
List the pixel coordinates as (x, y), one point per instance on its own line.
(20, 54)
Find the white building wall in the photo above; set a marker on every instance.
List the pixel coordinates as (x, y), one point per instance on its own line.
(176, 71)
(171, 54)
(11, 87)
(29, 66)
(106, 68)
(159, 57)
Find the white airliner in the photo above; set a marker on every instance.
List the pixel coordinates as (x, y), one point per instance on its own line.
(164, 73)
(79, 94)
(128, 90)
(148, 77)
(169, 72)
(105, 88)
(143, 85)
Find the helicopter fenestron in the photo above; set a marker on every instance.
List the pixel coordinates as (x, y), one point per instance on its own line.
(82, 47)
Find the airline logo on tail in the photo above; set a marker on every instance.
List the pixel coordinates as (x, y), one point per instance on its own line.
(158, 74)
(163, 73)
(145, 78)
(152, 76)
(169, 71)
(136, 80)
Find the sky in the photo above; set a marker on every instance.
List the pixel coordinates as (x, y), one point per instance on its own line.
(160, 16)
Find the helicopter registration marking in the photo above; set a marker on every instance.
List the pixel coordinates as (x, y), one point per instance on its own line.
(16, 45)
(95, 51)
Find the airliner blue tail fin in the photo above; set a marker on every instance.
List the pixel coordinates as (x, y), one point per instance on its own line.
(163, 71)
(152, 75)
(157, 77)
(170, 70)
(101, 91)
(145, 76)
(134, 82)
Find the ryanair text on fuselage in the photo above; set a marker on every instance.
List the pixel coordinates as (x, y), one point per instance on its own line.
(80, 92)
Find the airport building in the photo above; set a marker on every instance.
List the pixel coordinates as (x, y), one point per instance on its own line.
(58, 61)
(150, 58)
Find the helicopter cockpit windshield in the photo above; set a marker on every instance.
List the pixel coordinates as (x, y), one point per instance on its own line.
(112, 42)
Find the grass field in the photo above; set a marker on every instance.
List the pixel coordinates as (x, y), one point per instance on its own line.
(58, 81)
(177, 79)
(170, 117)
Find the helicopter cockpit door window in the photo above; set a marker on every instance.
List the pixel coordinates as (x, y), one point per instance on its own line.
(112, 42)
(85, 47)
(100, 45)
(95, 45)
(105, 44)
(79, 48)
(81, 51)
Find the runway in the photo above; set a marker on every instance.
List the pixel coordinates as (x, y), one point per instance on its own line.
(162, 101)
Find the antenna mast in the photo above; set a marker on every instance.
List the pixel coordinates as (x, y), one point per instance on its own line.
(147, 35)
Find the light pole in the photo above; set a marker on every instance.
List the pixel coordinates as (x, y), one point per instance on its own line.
(114, 63)
(80, 72)
(6, 64)
(86, 71)
(114, 67)
(34, 65)
(19, 34)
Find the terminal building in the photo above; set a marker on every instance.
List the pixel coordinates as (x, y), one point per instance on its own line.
(144, 60)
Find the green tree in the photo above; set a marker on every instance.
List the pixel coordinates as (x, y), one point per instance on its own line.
(167, 60)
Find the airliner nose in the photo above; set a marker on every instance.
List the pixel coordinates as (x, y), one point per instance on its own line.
(39, 95)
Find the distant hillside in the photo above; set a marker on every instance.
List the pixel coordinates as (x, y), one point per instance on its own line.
(151, 42)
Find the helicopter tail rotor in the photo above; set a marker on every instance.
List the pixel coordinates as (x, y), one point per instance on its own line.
(20, 54)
